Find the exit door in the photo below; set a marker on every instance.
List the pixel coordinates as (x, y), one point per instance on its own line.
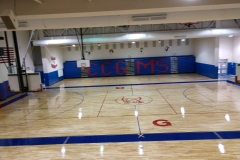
(222, 66)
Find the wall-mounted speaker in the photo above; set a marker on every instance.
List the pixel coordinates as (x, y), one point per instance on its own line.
(9, 19)
(166, 48)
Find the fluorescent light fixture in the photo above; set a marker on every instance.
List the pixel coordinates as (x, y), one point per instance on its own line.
(73, 45)
(183, 40)
(230, 36)
(135, 36)
(133, 42)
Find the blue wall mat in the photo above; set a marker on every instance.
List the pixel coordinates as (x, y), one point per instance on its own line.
(4, 90)
(101, 68)
(232, 68)
(152, 66)
(117, 67)
(207, 70)
(51, 78)
(70, 70)
(186, 64)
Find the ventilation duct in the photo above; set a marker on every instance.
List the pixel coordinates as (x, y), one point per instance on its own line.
(20, 25)
(149, 17)
(9, 19)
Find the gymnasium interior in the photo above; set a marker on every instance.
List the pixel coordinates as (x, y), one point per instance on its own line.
(104, 79)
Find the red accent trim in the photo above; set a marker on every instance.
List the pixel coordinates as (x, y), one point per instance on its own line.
(163, 65)
(164, 123)
(117, 68)
(103, 69)
(119, 87)
(102, 104)
(88, 70)
(145, 65)
(167, 102)
(236, 79)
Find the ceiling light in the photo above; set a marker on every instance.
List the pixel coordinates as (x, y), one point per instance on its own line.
(73, 45)
(133, 42)
(38, 1)
(230, 36)
(183, 40)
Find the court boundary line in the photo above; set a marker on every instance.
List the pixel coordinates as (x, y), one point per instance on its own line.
(136, 84)
(118, 138)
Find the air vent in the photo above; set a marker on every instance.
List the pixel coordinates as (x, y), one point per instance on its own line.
(158, 17)
(149, 17)
(20, 24)
(23, 24)
(140, 18)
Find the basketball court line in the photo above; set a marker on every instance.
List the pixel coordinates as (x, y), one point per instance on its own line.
(32, 111)
(118, 138)
(167, 101)
(135, 84)
(126, 115)
(102, 104)
(200, 102)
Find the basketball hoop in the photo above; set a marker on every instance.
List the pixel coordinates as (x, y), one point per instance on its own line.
(83, 64)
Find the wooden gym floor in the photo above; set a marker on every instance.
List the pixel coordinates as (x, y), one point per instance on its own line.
(180, 116)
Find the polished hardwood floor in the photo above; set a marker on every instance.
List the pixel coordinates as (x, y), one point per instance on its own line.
(122, 109)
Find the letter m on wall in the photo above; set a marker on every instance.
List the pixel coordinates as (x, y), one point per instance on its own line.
(146, 67)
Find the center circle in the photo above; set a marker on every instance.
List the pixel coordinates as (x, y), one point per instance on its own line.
(134, 100)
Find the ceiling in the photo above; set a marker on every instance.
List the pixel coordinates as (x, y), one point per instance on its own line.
(58, 14)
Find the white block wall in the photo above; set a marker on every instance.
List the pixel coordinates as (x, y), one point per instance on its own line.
(206, 50)
(134, 52)
(47, 53)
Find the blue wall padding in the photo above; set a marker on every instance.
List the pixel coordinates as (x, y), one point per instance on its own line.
(207, 70)
(232, 68)
(152, 66)
(70, 70)
(4, 90)
(101, 68)
(186, 64)
(51, 78)
(117, 67)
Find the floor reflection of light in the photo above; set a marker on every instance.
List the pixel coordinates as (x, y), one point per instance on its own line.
(101, 150)
(221, 148)
(63, 151)
(80, 113)
(183, 111)
(136, 113)
(227, 117)
(140, 150)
